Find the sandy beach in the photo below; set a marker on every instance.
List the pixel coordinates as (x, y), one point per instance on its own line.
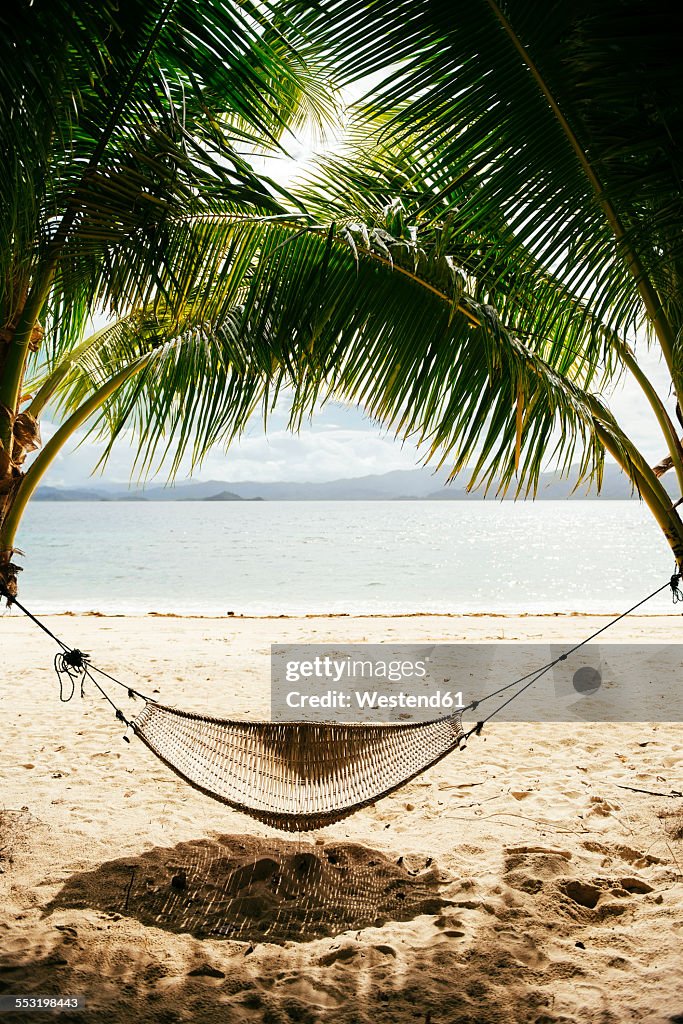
(518, 881)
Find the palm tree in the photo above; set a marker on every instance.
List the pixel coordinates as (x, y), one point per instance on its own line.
(473, 267)
(505, 223)
(124, 129)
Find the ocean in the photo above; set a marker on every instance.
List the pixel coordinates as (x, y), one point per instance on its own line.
(361, 557)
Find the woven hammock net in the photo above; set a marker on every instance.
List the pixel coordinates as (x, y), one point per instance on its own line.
(294, 776)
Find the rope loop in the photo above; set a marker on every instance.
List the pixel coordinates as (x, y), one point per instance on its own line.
(71, 666)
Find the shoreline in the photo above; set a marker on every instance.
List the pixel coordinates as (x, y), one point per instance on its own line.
(289, 616)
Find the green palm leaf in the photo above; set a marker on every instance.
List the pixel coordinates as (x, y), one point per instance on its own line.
(274, 304)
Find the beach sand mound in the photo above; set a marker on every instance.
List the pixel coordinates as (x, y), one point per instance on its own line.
(254, 890)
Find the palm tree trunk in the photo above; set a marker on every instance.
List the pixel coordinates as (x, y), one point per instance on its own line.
(653, 494)
(19, 431)
(24, 484)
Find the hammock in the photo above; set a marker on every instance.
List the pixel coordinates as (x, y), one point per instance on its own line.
(299, 775)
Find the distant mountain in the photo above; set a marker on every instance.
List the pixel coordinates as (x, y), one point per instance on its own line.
(227, 496)
(222, 496)
(383, 486)
(420, 484)
(552, 487)
(69, 494)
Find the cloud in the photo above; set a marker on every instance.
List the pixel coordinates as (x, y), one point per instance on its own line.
(317, 454)
(340, 442)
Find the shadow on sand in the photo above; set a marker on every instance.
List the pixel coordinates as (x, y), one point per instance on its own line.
(254, 890)
(219, 931)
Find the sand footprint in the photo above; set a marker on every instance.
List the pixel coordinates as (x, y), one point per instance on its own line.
(527, 868)
(608, 895)
(307, 991)
(610, 853)
(602, 808)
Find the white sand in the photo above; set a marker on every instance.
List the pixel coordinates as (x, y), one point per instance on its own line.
(532, 887)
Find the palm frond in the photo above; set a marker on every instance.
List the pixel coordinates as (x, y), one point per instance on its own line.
(389, 192)
(109, 109)
(526, 112)
(267, 305)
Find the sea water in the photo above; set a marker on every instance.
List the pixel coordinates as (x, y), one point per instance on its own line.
(352, 557)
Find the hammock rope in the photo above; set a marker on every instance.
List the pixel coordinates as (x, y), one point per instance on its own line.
(296, 776)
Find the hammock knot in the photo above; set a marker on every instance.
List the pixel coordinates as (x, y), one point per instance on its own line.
(75, 659)
(675, 589)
